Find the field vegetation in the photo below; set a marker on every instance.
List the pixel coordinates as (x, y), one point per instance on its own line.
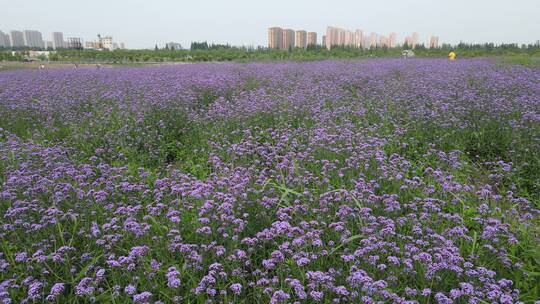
(204, 52)
(371, 181)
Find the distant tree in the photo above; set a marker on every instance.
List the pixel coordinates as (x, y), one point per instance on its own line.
(199, 45)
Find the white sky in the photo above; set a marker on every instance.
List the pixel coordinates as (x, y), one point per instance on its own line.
(143, 23)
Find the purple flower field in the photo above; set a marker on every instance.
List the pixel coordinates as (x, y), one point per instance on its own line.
(375, 181)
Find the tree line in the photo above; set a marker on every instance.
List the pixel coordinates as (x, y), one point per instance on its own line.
(205, 52)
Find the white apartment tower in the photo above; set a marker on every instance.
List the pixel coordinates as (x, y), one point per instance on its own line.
(16, 38)
(4, 40)
(58, 40)
(33, 39)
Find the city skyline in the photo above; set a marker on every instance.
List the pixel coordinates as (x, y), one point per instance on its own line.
(34, 39)
(244, 22)
(279, 38)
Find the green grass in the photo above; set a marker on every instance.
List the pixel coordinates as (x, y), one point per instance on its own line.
(532, 61)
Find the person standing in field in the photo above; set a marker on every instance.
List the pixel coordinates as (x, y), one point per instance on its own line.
(452, 55)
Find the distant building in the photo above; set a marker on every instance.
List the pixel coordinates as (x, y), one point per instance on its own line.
(392, 40)
(58, 40)
(4, 40)
(107, 42)
(48, 44)
(288, 39)
(408, 41)
(275, 38)
(33, 39)
(334, 37)
(340, 37)
(170, 46)
(373, 40)
(358, 38)
(349, 39)
(311, 38)
(301, 39)
(91, 45)
(123, 46)
(366, 42)
(323, 42)
(434, 42)
(16, 38)
(383, 41)
(414, 39)
(75, 43)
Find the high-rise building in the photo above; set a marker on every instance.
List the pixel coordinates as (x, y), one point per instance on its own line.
(311, 38)
(16, 38)
(123, 46)
(358, 38)
(341, 39)
(330, 39)
(4, 40)
(33, 39)
(408, 41)
(434, 42)
(414, 39)
(58, 40)
(349, 39)
(383, 41)
(373, 40)
(288, 39)
(334, 37)
(301, 39)
(337, 37)
(275, 38)
(392, 40)
(366, 42)
(48, 44)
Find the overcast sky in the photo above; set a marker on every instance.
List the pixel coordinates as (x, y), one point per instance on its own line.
(143, 23)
